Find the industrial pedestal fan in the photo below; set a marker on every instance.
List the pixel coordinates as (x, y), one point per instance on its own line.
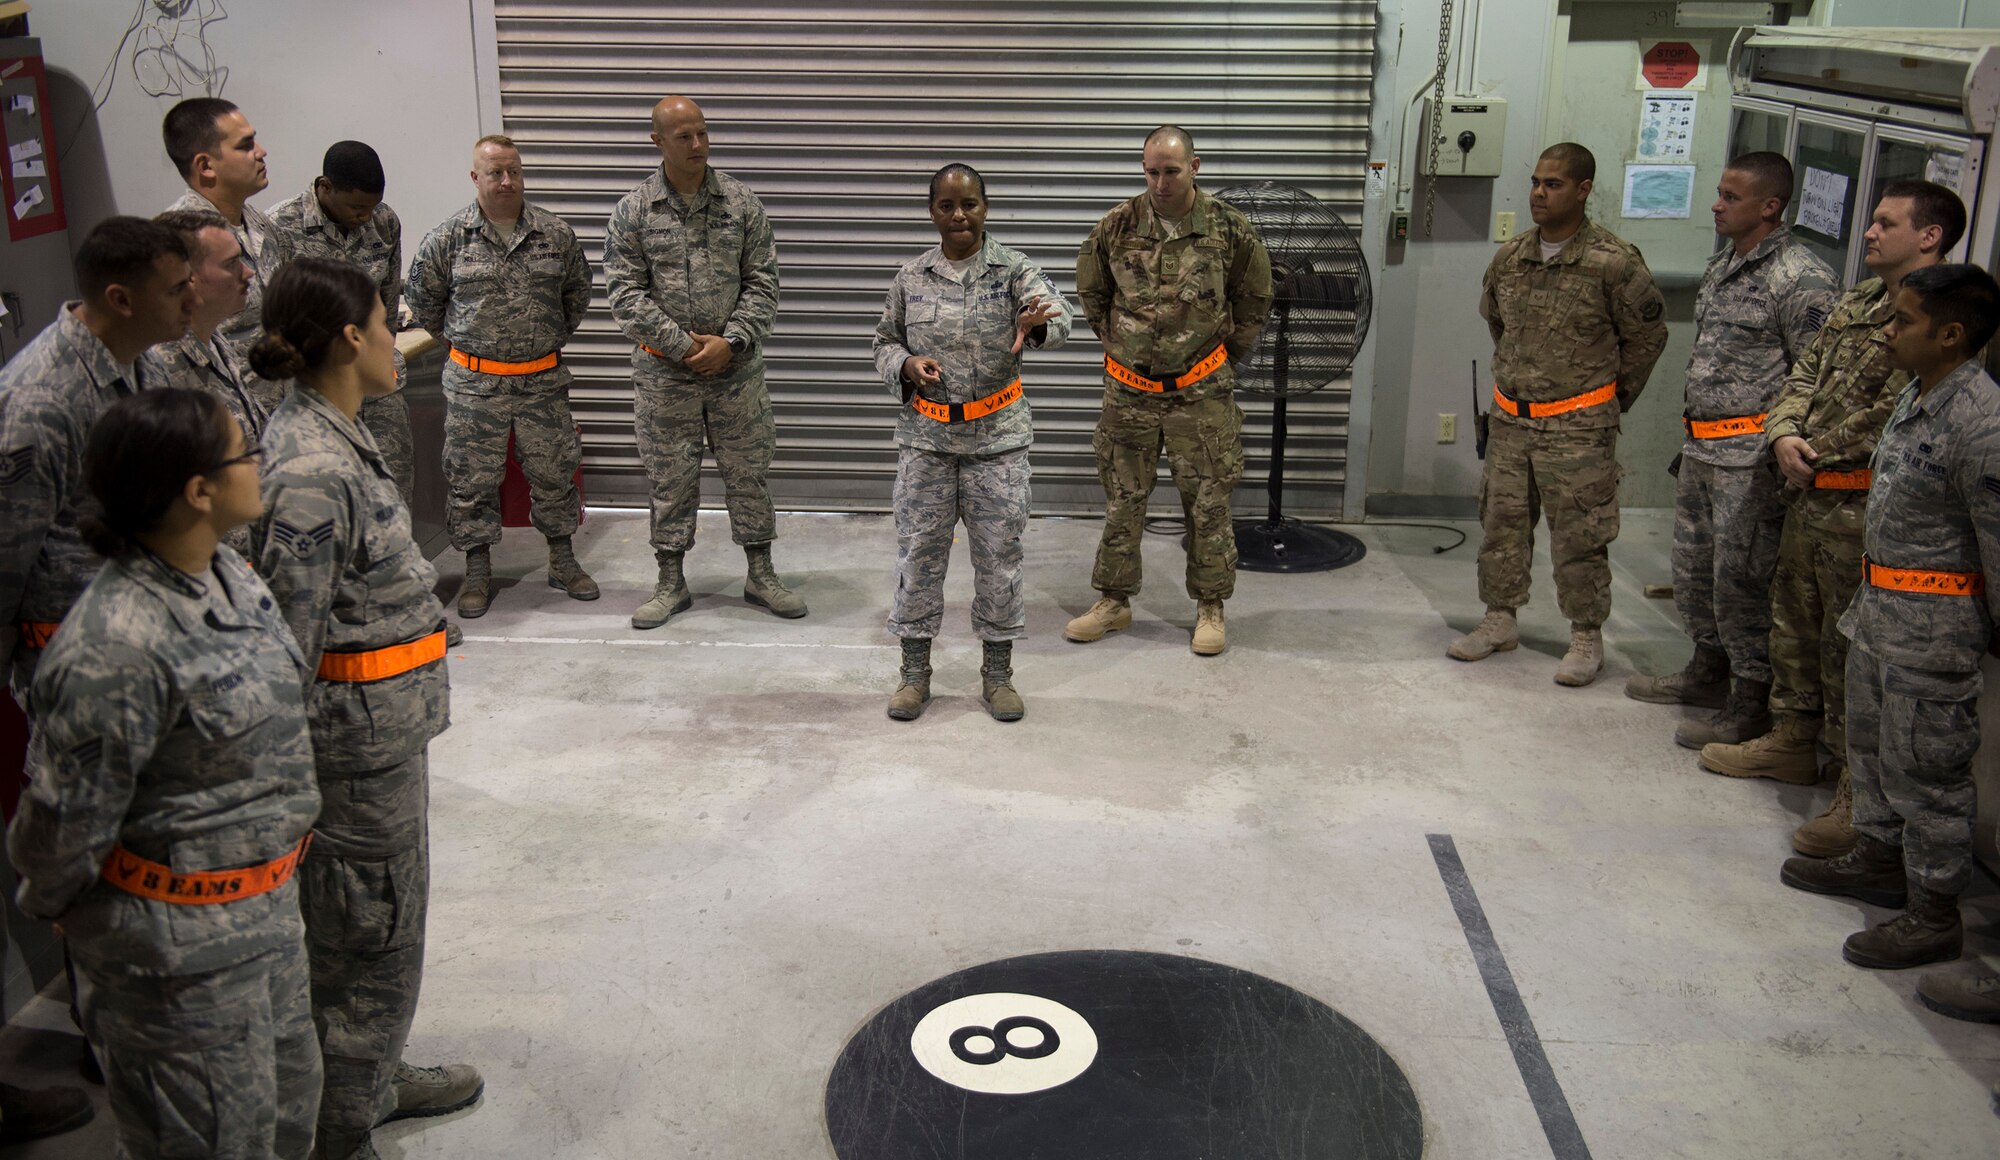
(1319, 316)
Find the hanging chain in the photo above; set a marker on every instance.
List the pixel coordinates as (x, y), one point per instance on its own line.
(1437, 110)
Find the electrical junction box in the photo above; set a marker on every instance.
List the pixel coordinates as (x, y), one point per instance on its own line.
(1475, 129)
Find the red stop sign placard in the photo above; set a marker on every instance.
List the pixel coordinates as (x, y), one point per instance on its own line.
(1670, 64)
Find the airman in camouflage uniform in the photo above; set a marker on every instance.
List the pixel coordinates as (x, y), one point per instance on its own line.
(1921, 623)
(51, 394)
(506, 284)
(1577, 325)
(170, 727)
(1761, 301)
(1835, 401)
(1167, 279)
(328, 221)
(692, 272)
(952, 333)
(336, 546)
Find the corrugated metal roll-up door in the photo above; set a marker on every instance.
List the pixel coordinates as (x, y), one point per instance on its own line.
(837, 114)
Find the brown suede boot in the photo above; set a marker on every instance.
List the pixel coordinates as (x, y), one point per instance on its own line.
(1703, 681)
(476, 595)
(1928, 932)
(996, 682)
(1832, 833)
(1872, 872)
(1973, 997)
(1745, 715)
(908, 701)
(567, 574)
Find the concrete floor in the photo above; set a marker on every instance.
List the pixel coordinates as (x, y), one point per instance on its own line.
(675, 871)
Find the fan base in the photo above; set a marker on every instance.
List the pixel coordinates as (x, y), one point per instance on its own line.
(1291, 546)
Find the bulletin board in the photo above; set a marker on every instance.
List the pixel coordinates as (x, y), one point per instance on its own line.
(30, 176)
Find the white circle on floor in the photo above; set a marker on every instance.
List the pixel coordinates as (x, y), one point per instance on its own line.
(976, 1021)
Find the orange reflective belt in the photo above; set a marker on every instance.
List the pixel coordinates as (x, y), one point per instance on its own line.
(1522, 409)
(1001, 399)
(1196, 373)
(35, 634)
(382, 663)
(1724, 428)
(1918, 580)
(135, 875)
(487, 366)
(1844, 480)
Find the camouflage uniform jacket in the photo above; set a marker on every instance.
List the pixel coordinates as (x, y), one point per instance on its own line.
(508, 300)
(334, 543)
(376, 247)
(265, 248)
(968, 327)
(1934, 506)
(51, 395)
(1591, 315)
(706, 264)
(169, 722)
(1837, 398)
(211, 366)
(1753, 318)
(1160, 304)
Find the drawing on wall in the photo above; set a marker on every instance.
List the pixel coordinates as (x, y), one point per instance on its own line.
(1658, 191)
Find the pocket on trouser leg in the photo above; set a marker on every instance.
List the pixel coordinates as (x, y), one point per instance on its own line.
(373, 904)
(189, 1085)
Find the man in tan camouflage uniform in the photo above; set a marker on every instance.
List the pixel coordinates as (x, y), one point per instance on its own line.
(342, 216)
(505, 283)
(1176, 284)
(1921, 623)
(1577, 326)
(215, 149)
(1822, 433)
(1762, 299)
(692, 271)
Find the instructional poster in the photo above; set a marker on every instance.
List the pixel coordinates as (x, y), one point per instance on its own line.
(1666, 127)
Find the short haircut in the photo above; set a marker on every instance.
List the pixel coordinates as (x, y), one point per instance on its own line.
(353, 167)
(1173, 131)
(962, 170)
(500, 139)
(1769, 173)
(121, 251)
(189, 223)
(139, 457)
(189, 130)
(1932, 205)
(1961, 293)
(1578, 164)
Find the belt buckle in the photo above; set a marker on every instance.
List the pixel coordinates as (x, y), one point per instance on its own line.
(1168, 382)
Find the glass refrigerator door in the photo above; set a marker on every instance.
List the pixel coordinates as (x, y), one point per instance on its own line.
(1903, 154)
(1830, 160)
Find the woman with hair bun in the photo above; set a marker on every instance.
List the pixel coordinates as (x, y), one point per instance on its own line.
(173, 794)
(335, 546)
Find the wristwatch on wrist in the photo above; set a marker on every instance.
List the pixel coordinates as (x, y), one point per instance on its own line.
(736, 344)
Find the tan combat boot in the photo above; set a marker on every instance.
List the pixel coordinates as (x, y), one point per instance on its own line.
(1832, 833)
(1746, 715)
(433, 1091)
(670, 594)
(1497, 632)
(476, 596)
(1930, 931)
(1788, 753)
(1585, 658)
(762, 586)
(996, 682)
(565, 573)
(1209, 637)
(1703, 681)
(1109, 614)
(908, 701)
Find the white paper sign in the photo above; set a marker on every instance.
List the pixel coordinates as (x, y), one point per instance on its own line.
(23, 103)
(1944, 168)
(1378, 179)
(26, 169)
(27, 201)
(1823, 203)
(1666, 127)
(1658, 191)
(26, 149)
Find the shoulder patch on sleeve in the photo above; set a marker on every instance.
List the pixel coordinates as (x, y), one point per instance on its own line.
(15, 465)
(1991, 484)
(1652, 310)
(1815, 317)
(87, 752)
(301, 543)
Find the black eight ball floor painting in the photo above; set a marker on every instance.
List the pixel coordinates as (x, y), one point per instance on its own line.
(1116, 1055)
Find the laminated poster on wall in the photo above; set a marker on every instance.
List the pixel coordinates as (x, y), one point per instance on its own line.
(1666, 127)
(1658, 191)
(1672, 64)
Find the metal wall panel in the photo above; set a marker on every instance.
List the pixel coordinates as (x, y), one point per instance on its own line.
(837, 114)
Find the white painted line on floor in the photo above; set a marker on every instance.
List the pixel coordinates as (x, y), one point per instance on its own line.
(630, 643)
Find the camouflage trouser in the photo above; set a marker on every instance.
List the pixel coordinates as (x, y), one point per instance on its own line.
(475, 461)
(1818, 572)
(1726, 526)
(1203, 441)
(934, 491)
(730, 414)
(1572, 477)
(1911, 735)
(222, 1064)
(387, 418)
(367, 888)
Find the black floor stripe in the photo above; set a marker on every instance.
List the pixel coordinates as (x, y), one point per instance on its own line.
(1558, 1123)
